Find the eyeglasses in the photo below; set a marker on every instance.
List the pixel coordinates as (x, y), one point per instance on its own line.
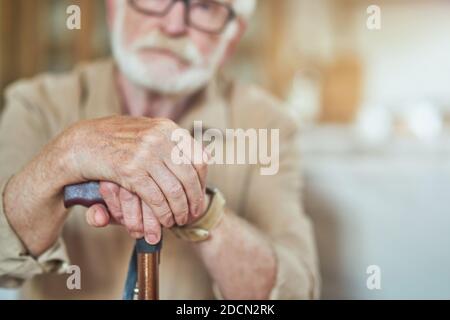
(208, 16)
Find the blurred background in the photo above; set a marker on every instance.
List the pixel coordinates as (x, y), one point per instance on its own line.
(373, 105)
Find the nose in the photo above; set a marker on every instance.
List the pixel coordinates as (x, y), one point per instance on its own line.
(174, 23)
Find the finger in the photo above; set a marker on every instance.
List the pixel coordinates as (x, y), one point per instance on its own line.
(152, 227)
(147, 189)
(132, 213)
(200, 163)
(173, 191)
(195, 154)
(97, 216)
(110, 194)
(187, 175)
(198, 158)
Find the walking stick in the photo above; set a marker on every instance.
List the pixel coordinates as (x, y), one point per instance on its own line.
(145, 257)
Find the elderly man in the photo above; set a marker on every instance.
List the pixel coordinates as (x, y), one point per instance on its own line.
(112, 121)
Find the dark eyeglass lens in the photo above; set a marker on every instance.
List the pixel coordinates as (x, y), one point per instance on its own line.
(208, 15)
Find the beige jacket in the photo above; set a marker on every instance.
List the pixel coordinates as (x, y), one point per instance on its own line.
(36, 110)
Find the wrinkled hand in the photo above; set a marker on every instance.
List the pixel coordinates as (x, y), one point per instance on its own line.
(127, 209)
(146, 189)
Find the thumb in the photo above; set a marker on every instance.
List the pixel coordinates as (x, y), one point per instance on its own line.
(97, 216)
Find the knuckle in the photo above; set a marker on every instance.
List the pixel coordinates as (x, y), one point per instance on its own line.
(107, 189)
(182, 212)
(191, 178)
(154, 138)
(129, 177)
(165, 126)
(192, 183)
(125, 195)
(139, 180)
(129, 168)
(166, 218)
(134, 226)
(156, 198)
(176, 191)
(164, 123)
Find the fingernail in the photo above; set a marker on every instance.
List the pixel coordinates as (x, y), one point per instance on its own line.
(98, 217)
(151, 238)
(170, 222)
(195, 210)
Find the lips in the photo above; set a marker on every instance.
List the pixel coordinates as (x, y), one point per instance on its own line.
(164, 52)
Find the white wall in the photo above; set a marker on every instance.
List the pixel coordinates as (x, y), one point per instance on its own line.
(409, 58)
(387, 207)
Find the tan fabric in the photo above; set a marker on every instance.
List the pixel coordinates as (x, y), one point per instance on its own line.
(38, 109)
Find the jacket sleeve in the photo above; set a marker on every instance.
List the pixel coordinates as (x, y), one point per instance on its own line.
(23, 132)
(274, 206)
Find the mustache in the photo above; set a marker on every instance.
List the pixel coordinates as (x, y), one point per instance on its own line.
(182, 47)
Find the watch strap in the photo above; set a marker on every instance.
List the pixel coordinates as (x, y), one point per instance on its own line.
(200, 229)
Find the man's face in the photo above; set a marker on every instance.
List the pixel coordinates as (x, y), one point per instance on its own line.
(162, 53)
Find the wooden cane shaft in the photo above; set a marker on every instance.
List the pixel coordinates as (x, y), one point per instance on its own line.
(148, 275)
(87, 194)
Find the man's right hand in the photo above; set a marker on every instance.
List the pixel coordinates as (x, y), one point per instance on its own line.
(132, 153)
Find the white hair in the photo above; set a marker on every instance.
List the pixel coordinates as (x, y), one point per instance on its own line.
(244, 8)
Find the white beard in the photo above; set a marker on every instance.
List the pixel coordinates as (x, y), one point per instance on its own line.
(164, 77)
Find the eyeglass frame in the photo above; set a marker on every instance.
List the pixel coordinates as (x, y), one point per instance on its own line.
(231, 14)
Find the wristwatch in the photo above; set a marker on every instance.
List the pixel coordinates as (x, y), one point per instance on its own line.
(200, 229)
